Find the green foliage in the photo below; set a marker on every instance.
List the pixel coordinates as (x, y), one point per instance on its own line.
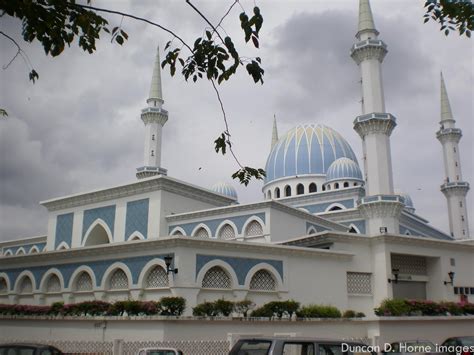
(243, 307)
(360, 315)
(223, 307)
(246, 173)
(56, 308)
(454, 309)
(3, 112)
(172, 306)
(319, 311)
(205, 309)
(261, 312)
(393, 307)
(278, 309)
(399, 307)
(349, 314)
(451, 15)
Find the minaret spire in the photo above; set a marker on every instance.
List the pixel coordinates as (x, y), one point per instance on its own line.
(274, 132)
(366, 20)
(154, 117)
(381, 209)
(454, 188)
(446, 113)
(156, 94)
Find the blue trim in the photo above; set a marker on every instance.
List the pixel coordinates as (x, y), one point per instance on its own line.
(64, 223)
(321, 207)
(241, 266)
(360, 224)
(27, 247)
(212, 224)
(107, 214)
(136, 219)
(318, 227)
(135, 264)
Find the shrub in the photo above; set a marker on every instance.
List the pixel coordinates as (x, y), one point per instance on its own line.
(6, 309)
(172, 306)
(319, 311)
(349, 314)
(393, 307)
(243, 307)
(261, 312)
(454, 309)
(223, 307)
(56, 308)
(468, 308)
(205, 309)
(360, 315)
(282, 309)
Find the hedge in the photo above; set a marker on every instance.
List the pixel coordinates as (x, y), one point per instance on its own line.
(403, 307)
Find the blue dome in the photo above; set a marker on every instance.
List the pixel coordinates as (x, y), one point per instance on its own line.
(306, 149)
(344, 169)
(224, 189)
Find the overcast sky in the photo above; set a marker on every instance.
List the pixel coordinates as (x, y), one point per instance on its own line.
(78, 128)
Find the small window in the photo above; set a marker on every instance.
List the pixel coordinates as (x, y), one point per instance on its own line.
(300, 189)
(152, 153)
(288, 191)
(313, 187)
(460, 203)
(463, 232)
(346, 184)
(456, 163)
(329, 187)
(452, 262)
(462, 218)
(152, 137)
(324, 188)
(269, 195)
(355, 184)
(277, 193)
(336, 185)
(454, 148)
(457, 177)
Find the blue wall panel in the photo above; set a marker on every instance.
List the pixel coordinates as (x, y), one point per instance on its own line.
(137, 218)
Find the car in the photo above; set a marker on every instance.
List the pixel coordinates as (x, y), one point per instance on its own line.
(410, 347)
(463, 345)
(159, 351)
(28, 349)
(298, 346)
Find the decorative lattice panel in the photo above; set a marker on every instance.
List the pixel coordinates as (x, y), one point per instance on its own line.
(409, 264)
(204, 347)
(178, 233)
(263, 280)
(216, 277)
(253, 228)
(118, 280)
(84, 282)
(226, 232)
(157, 277)
(201, 233)
(359, 283)
(26, 286)
(53, 284)
(3, 285)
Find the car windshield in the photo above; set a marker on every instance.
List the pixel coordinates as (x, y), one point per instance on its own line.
(467, 341)
(254, 347)
(16, 350)
(161, 352)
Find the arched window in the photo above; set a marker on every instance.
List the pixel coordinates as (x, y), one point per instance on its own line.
(20, 252)
(26, 286)
(355, 184)
(157, 277)
(299, 189)
(263, 280)
(352, 230)
(178, 233)
(335, 208)
(324, 188)
(3, 285)
(346, 184)
(34, 249)
(277, 193)
(97, 236)
(83, 282)
(118, 280)
(53, 284)
(313, 187)
(288, 190)
(253, 228)
(201, 233)
(152, 137)
(269, 195)
(227, 232)
(336, 185)
(216, 277)
(152, 153)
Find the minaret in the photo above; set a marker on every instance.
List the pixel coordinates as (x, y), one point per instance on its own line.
(454, 188)
(381, 208)
(154, 117)
(274, 132)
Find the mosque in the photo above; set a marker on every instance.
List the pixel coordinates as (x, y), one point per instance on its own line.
(327, 230)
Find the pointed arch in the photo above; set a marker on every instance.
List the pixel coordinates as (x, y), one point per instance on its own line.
(111, 272)
(264, 267)
(312, 230)
(33, 250)
(276, 193)
(300, 189)
(49, 286)
(153, 275)
(8, 253)
(335, 207)
(313, 187)
(136, 236)
(62, 246)
(84, 269)
(19, 283)
(353, 229)
(178, 231)
(20, 251)
(227, 230)
(98, 233)
(234, 281)
(252, 226)
(287, 191)
(5, 285)
(201, 230)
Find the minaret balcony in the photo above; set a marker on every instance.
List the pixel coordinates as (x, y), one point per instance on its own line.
(155, 110)
(154, 115)
(461, 187)
(369, 49)
(379, 206)
(375, 123)
(447, 134)
(149, 171)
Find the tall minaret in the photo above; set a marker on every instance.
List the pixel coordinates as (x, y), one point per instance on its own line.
(274, 132)
(381, 208)
(154, 117)
(454, 188)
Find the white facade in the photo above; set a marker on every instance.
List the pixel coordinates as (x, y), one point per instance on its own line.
(331, 235)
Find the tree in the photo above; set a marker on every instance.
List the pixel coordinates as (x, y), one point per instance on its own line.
(214, 57)
(452, 15)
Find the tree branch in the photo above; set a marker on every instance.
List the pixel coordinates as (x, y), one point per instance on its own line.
(205, 19)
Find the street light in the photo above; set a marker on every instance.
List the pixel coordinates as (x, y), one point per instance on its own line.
(395, 273)
(451, 278)
(168, 260)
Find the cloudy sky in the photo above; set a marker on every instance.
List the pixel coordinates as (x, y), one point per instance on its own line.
(78, 127)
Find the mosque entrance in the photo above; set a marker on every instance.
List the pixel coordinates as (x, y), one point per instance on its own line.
(413, 290)
(412, 273)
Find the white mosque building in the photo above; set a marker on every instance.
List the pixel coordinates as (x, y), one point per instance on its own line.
(328, 230)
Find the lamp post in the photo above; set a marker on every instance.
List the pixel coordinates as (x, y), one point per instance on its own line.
(395, 273)
(168, 260)
(451, 278)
